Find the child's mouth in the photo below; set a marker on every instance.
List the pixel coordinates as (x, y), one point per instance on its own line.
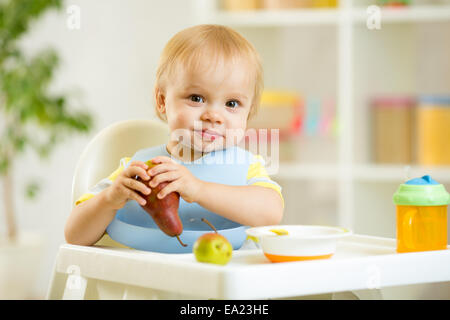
(207, 135)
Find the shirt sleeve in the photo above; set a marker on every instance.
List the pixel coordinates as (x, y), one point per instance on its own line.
(104, 183)
(257, 175)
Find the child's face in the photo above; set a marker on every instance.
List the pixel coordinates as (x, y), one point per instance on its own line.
(217, 99)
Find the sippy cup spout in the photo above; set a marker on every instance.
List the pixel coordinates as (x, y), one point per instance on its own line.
(423, 181)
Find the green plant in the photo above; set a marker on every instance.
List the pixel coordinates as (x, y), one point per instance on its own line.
(30, 116)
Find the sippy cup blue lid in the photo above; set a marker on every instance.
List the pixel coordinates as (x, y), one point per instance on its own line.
(425, 180)
(422, 191)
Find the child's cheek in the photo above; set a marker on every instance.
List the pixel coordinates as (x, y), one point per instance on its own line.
(187, 116)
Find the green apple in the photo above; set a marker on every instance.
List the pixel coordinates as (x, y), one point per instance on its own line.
(213, 248)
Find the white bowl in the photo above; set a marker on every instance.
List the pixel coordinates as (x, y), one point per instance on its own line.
(301, 243)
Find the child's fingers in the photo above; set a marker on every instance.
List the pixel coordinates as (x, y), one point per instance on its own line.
(164, 167)
(138, 163)
(171, 187)
(136, 185)
(166, 176)
(130, 194)
(133, 171)
(162, 159)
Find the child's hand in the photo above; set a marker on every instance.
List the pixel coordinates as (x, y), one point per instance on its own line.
(124, 186)
(180, 178)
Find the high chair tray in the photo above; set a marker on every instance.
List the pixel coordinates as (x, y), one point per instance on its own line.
(360, 263)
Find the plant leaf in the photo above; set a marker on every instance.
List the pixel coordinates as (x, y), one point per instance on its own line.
(32, 189)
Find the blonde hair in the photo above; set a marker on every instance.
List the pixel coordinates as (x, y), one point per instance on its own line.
(186, 47)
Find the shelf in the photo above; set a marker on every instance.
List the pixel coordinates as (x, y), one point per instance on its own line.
(399, 173)
(347, 171)
(299, 17)
(367, 173)
(296, 171)
(278, 17)
(411, 14)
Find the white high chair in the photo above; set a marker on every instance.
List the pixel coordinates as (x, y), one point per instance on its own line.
(101, 156)
(99, 159)
(103, 271)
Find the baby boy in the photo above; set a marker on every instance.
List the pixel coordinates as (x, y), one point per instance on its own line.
(208, 84)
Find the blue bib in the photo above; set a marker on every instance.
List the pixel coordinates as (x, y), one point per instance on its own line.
(135, 228)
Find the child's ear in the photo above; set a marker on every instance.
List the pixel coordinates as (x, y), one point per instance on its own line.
(160, 98)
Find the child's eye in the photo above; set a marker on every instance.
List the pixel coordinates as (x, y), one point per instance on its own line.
(232, 103)
(196, 98)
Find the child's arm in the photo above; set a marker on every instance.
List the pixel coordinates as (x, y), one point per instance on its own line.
(88, 220)
(247, 205)
(251, 205)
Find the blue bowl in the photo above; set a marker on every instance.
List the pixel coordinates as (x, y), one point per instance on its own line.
(134, 227)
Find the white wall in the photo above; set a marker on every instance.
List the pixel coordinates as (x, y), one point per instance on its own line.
(109, 64)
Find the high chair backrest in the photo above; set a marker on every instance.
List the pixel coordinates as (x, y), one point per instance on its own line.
(103, 153)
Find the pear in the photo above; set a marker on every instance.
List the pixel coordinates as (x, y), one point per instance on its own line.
(212, 247)
(163, 211)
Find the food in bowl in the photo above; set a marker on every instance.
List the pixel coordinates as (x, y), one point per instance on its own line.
(298, 242)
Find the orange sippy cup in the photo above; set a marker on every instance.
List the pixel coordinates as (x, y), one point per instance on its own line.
(421, 215)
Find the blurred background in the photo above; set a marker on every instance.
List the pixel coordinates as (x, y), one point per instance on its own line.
(361, 97)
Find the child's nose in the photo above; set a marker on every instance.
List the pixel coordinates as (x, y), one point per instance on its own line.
(213, 116)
